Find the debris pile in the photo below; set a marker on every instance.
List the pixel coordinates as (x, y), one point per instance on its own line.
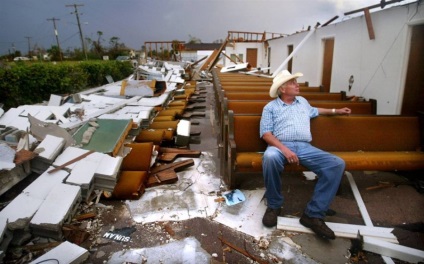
(109, 142)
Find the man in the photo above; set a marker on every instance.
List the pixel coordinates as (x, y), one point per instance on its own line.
(285, 126)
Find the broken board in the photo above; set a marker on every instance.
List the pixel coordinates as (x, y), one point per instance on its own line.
(108, 136)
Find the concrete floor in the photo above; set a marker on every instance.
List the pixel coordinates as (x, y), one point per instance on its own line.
(181, 222)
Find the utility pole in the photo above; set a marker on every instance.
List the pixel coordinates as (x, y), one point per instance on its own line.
(57, 37)
(79, 27)
(29, 47)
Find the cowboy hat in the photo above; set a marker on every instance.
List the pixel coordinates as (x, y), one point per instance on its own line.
(281, 78)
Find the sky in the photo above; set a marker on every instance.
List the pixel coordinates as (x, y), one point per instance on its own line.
(29, 23)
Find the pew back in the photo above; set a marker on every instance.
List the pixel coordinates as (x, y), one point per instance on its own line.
(368, 142)
(253, 107)
(231, 95)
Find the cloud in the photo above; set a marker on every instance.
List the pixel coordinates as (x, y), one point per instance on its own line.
(135, 21)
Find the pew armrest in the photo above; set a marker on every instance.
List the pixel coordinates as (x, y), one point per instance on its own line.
(231, 162)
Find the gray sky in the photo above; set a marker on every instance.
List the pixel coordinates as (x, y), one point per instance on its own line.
(137, 21)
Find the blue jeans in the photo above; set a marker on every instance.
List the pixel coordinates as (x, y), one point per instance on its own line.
(328, 167)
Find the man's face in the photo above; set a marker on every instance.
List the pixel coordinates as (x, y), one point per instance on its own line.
(290, 87)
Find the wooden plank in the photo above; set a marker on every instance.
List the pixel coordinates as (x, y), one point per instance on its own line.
(228, 57)
(208, 61)
(216, 57)
(371, 7)
(170, 154)
(167, 173)
(410, 255)
(163, 177)
(363, 209)
(71, 161)
(176, 166)
(341, 230)
(369, 23)
(359, 201)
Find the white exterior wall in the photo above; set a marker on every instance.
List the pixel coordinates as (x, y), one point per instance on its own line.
(241, 48)
(189, 56)
(378, 66)
(194, 56)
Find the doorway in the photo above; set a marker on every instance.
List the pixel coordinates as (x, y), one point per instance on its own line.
(290, 63)
(252, 57)
(327, 66)
(413, 94)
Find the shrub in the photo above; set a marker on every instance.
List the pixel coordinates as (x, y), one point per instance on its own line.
(34, 82)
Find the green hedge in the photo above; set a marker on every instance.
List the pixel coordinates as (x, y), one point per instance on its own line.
(31, 83)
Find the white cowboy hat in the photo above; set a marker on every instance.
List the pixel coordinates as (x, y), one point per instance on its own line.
(281, 78)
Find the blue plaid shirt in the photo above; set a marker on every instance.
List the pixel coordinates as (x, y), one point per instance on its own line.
(288, 122)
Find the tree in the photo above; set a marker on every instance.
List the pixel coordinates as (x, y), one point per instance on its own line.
(194, 40)
(17, 53)
(54, 52)
(116, 48)
(41, 51)
(96, 47)
(89, 42)
(97, 44)
(114, 42)
(176, 46)
(218, 41)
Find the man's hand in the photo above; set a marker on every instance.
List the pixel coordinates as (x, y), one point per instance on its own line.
(343, 111)
(290, 156)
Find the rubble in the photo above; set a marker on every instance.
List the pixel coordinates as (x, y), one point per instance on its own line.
(81, 154)
(185, 251)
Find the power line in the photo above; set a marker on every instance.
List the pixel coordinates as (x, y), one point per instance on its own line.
(79, 27)
(29, 46)
(57, 37)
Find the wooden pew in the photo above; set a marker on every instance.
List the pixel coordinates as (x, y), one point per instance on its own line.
(220, 94)
(256, 107)
(265, 96)
(371, 142)
(265, 88)
(244, 82)
(238, 77)
(228, 76)
(255, 96)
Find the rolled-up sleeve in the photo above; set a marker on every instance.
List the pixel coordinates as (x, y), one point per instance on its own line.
(266, 124)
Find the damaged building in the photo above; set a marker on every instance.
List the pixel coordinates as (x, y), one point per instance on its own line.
(164, 166)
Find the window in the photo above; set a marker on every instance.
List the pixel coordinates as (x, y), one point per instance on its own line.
(237, 57)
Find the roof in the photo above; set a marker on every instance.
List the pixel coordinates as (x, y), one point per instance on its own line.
(201, 46)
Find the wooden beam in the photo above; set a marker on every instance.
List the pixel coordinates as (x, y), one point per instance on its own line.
(230, 58)
(71, 161)
(280, 68)
(369, 23)
(329, 21)
(361, 205)
(341, 230)
(384, 248)
(240, 60)
(208, 61)
(215, 60)
(371, 7)
(197, 62)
